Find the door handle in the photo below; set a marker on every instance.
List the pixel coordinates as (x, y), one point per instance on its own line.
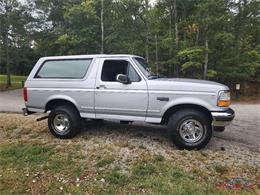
(101, 86)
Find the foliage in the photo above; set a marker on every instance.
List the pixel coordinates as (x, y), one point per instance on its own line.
(176, 31)
(192, 59)
(16, 82)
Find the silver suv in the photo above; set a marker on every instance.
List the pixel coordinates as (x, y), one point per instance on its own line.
(122, 87)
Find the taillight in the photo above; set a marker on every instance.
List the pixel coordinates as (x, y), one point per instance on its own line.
(25, 95)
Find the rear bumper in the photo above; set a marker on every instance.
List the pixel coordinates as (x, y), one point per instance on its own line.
(222, 118)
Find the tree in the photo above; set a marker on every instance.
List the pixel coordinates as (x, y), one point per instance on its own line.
(210, 39)
(13, 33)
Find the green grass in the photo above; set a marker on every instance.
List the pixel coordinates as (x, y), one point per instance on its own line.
(15, 80)
(105, 160)
(116, 177)
(20, 155)
(163, 177)
(40, 168)
(143, 169)
(36, 167)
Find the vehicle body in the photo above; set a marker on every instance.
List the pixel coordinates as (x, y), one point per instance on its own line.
(120, 87)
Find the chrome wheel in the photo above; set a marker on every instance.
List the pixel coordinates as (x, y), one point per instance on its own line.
(191, 130)
(61, 124)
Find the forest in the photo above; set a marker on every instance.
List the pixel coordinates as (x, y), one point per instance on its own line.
(206, 39)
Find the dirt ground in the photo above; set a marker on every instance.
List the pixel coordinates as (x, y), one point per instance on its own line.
(245, 128)
(232, 154)
(11, 101)
(240, 138)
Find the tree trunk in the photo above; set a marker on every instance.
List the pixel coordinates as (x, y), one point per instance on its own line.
(7, 61)
(176, 34)
(170, 30)
(206, 60)
(197, 36)
(146, 31)
(176, 24)
(102, 27)
(156, 54)
(6, 45)
(170, 66)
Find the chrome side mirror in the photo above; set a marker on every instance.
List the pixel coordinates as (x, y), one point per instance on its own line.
(122, 79)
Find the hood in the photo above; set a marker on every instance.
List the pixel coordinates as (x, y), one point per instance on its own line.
(181, 84)
(189, 81)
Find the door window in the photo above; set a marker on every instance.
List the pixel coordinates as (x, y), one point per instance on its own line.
(111, 68)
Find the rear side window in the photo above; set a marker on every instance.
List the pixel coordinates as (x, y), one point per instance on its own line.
(71, 68)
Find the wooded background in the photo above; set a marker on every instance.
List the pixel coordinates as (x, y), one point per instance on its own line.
(210, 39)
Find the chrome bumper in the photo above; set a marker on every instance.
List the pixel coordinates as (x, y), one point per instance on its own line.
(222, 118)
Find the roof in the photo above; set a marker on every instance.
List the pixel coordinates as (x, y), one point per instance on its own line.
(89, 56)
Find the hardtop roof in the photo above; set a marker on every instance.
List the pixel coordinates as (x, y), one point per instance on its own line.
(89, 56)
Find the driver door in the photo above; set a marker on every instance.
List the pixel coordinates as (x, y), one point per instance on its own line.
(115, 100)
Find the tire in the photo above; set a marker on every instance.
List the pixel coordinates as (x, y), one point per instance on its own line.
(64, 122)
(183, 129)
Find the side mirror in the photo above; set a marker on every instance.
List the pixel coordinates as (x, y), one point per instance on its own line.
(122, 79)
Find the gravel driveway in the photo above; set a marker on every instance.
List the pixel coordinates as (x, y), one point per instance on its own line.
(11, 101)
(245, 129)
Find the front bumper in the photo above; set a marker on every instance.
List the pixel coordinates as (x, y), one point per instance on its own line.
(222, 118)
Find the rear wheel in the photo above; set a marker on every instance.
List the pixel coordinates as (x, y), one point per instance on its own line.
(64, 122)
(189, 129)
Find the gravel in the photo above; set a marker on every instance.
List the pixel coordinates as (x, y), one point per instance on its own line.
(240, 140)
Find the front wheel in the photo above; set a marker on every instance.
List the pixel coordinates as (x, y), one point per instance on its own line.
(64, 122)
(189, 129)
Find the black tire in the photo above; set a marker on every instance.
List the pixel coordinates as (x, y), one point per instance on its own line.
(175, 124)
(71, 115)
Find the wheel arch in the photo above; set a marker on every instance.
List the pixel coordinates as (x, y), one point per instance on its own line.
(55, 102)
(178, 107)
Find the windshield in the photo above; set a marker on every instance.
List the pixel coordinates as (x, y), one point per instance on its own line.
(146, 70)
(144, 67)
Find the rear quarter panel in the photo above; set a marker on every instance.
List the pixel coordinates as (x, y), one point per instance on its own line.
(78, 91)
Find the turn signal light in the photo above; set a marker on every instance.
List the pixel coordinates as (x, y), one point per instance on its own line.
(223, 103)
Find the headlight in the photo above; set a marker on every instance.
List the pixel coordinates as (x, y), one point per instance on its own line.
(224, 99)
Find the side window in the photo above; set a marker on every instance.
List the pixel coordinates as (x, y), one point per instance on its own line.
(111, 68)
(71, 68)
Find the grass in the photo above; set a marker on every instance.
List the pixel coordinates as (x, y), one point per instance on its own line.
(15, 80)
(105, 160)
(37, 168)
(21, 155)
(115, 177)
(143, 169)
(33, 166)
(36, 163)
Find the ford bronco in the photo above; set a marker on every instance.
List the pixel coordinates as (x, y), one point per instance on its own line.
(122, 87)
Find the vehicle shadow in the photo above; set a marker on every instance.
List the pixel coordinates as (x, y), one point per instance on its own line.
(142, 132)
(135, 130)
